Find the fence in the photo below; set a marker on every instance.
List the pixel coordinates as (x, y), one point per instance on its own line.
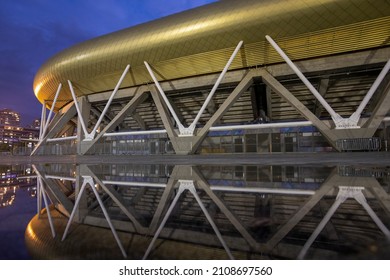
(359, 144)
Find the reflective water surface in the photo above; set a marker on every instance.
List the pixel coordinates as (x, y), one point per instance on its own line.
(167, 211)
(17, 208)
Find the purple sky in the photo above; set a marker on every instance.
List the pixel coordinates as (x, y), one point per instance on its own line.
(31, 31)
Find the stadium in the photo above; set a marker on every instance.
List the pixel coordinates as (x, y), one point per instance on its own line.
(228, 77)
(232, 82)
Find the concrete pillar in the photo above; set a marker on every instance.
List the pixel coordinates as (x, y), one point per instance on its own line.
(82, 210)
(130, 107)
(85, 109)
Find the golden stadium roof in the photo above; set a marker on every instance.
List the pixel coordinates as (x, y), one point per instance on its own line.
(200, 41)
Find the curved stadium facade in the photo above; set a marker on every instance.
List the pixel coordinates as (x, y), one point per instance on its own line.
(232, 76)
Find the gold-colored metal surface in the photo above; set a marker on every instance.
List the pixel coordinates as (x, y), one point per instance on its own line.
(201, 40)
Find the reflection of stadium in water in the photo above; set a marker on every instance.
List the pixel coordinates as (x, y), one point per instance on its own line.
(206, 212)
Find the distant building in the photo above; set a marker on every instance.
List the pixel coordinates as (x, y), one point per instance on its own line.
(9, 117)
(36, 124)
(14, 137)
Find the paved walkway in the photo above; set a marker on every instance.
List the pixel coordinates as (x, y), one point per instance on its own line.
(368, 158)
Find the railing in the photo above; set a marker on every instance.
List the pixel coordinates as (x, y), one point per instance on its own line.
(68, 147)
(133, 145)
(359, 144)
(275, 141)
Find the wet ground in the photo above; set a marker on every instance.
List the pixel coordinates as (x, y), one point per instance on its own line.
(263, 206)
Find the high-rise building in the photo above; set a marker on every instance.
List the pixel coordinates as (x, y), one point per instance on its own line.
(9, 117)
(13, 135)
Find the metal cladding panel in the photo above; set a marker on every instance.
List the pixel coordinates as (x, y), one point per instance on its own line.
(200, 41)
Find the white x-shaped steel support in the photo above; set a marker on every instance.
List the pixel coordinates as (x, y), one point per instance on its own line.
(340, 122)
(343, 194)
(41, 193)
(189, 131)
(46, 121)
(89, 136)
(88, 180)
(188, 185)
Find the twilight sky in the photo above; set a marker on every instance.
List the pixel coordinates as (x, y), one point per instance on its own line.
(31, 31)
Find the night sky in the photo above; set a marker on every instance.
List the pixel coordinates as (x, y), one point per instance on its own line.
(31, 31)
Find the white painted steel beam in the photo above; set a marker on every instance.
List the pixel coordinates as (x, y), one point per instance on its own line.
(322, 224)
(47, 121)
(336, 117)
(28, 140)
(43, 120)
(215, 128)
(134, 184)
(88, 180)
(189, 131)
(359, 197)
(187, 185)
(125, 133)
(262, 125)
(76, 205)
(60, 178)
(61, 139)
(262, 190)
(127, 109)
(340, 122)
(41, 192)
(108, 220)
(39, 198)
(82, 122)
(91, 135)
(212, 187)
(170, 108)
(191, 187)
(343, 194)
(356, 115)
(61, 120)
(28, 177)
(191, 128)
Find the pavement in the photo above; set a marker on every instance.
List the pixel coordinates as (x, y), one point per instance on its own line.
(331, 158)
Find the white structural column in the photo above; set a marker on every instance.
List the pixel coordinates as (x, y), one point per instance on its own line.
(47, 121)
(340, 122)
(189, 131)
(41, 192)
(336, 117)
(39, 198)
(90, 136)
(43, 120)
(187, 185)
(76, 204)
(191, 128)
(170, 108)
(88, 180)
(356, 115)
(169, 211)
(93, 132)
(82, 122)
(343, 194)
